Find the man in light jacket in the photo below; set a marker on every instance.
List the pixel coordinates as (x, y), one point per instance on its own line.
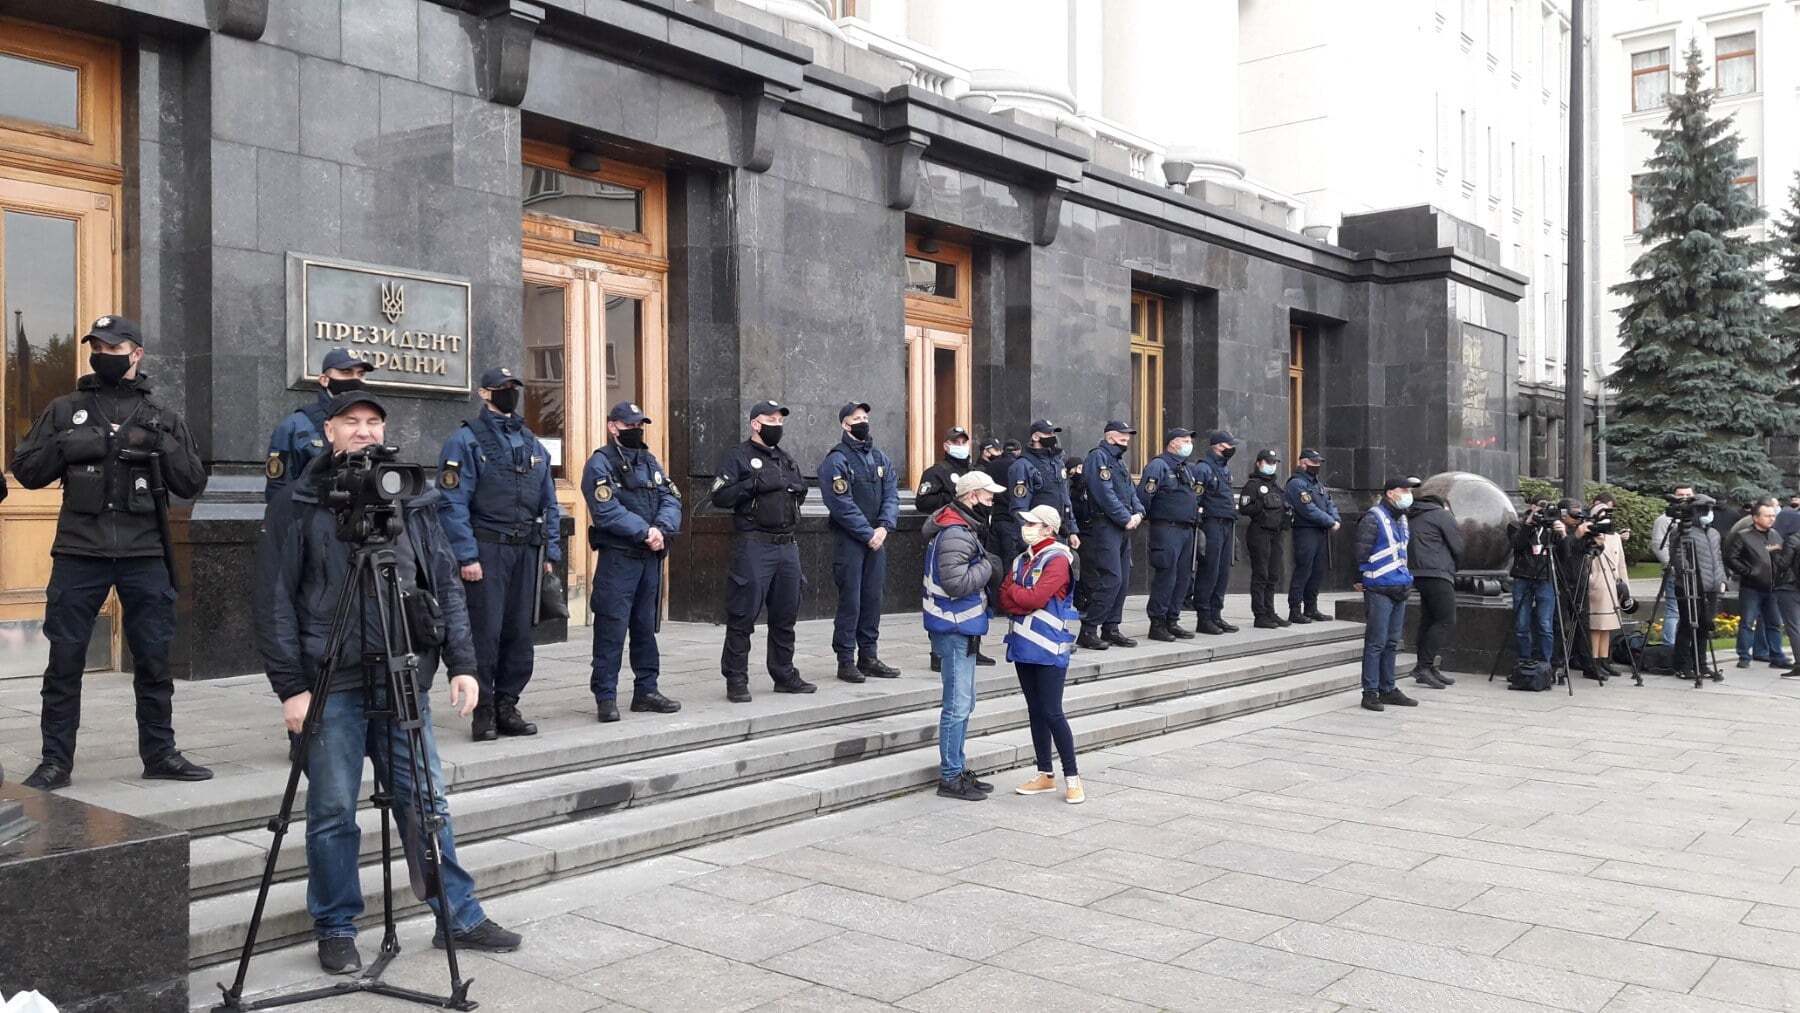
(1692, 656)
(958, 576)
(1659, 538)
(1434, 550)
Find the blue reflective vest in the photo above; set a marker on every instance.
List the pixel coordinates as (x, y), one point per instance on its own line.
(1047, 636)
(1386, 565)
(967, 615)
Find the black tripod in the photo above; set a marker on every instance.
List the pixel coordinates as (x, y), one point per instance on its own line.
(1580, 612)
(373, 579)
(1561, 628)
(1689, 601)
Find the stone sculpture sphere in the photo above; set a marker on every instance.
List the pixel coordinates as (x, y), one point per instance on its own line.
(1483, 510)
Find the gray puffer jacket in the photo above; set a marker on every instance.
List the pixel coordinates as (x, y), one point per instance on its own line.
(1435, 546)
(964, 567)
(1709, 560)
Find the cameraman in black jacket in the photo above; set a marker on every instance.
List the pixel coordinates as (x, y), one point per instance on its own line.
(302, 564)
(1536, 538)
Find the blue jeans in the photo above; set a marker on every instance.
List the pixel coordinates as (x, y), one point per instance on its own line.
(1759, 631)
(1534, 619)
(956, 654)
(1671, 609)
(1381, 640)
(334, 765)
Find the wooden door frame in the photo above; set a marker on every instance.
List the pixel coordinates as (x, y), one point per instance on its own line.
(945, 322)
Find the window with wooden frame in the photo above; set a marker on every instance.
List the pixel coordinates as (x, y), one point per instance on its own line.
(59, 102)
(1746, 181)
(939, 321)
(612, 211)
(1649, 79)
(1296, 392)
(1640, 203)
(1734, 63)
(1147, 313)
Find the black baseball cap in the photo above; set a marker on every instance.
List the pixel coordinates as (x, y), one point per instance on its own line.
(1309, 454)
(350, 399)
(1115, 426)
(114, 331)
(1267, 455)
(1177, 433)
(498, 377)
(1400, 482)
(1011, 447)
(957, 433)
(851, 408)
(340, 358)
(1218, 436)
(990, 442)
(768, 408)
(1045, 426)
(628, 413)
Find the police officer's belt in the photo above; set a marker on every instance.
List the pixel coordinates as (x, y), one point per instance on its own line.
(530, 537)
(769, 537)
(1173, 524)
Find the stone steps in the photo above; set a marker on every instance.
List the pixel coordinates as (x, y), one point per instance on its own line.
(549, 821)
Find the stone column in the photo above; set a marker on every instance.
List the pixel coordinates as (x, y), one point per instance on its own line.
(1171, 73)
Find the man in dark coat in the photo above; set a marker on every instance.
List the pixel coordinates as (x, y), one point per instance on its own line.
(1433, 554)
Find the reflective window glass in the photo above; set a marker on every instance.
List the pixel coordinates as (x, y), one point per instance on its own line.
(577, 198)
(38, 307)
(39, 92)
(928, 277)
(546, 396)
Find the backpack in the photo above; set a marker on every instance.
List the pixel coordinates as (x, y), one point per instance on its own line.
(1533, 676)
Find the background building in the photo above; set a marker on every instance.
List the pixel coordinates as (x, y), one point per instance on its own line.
(695, 206)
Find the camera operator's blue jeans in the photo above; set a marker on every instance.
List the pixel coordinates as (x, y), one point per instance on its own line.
(334, 765)
(1759, 629)
(1386, 618)
(1671, 609)
(1534, 619)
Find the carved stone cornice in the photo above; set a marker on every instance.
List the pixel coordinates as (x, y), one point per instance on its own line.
(242, 19)
(510, 27)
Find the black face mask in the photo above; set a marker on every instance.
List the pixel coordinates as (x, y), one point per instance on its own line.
(1047, 442)
(334, 386)
(1225, 455)
(506, 399)
(859, 431)
(110, 368)
(771, 435)
(980, 511)
(632, 439)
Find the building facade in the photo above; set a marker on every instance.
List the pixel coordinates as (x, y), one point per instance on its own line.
(693, 206)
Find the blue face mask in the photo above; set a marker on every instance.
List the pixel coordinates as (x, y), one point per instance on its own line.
(1184, 450)
(1404, 502)
(1265, 469)
(960, 451)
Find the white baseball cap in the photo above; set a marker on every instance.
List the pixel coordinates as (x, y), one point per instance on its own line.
(976, 480)
(1044, 514)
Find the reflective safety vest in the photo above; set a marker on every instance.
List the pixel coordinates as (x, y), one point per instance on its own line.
(1047, 636)
(1386, 565)
(967, 615)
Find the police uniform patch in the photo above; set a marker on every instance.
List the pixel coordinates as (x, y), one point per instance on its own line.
(1306, 497)
(1150, 486)
(1262, 490)
(718, 483)
(536, 460)
(276, 467)
(1105, 473)
(656, 476)
(1019, 488)
(881, 471)
(79, 417)
(318, 444)
(603, 493)
(839, 486)
(450, 475)
(756, 462)
(924, 487)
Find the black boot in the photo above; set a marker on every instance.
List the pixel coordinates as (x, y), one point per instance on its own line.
(1297, 618)
(1089, 641)
(875, 668)
(737, 690)
(1159, 631)
(1313, 613)
(937, 664)
(1220, 622)
(1207, 627)
(848, 672)
(481, 727)
(984, 661)
(1283, 623)
(508, 720)
(654, 703)
(607, 711)
(1111, 635)
(1266, 622)
(1174, 626)
(1437, 670)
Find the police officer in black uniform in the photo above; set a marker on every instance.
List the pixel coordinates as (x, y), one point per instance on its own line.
(991, 452)
(1114, 512)
(1218, 522)
(1315, 518)
(937, 487)
(301, 436)
(763, 488)
(119, 454)
(499, 509)
(635, 508)
(1037, 477)
(1264, 503)
(1167, 490)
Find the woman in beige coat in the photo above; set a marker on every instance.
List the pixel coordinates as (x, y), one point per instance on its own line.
(1605, 571)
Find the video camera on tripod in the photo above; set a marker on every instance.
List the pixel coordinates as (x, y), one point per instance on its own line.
(1686, 511)
(367, 491)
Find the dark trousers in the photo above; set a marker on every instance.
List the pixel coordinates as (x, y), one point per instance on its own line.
(1108, 550)
(1264, 545)
(860, 574)
(1437, 616)
(763, 574)
(627, 592)
(1787, 602)
(1042, 686)
(78, 586)
(500, 606)
(1309, 568)
(1215, 569)
(1685, 644)
(1171, 568)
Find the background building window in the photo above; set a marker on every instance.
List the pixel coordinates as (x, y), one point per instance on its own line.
(1746, 181)
(1296, 390)
(1146, 377)
(1640, 202)
(1734, 63)
(1650, 79)
(1468, 146)
(939, 322)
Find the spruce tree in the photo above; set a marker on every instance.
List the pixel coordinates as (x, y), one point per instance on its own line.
(1786, 243)
(1700, 381)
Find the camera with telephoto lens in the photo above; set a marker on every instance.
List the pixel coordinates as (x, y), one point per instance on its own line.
(367, 491)
(1540, 515)
(1601, 522)
(1687, 509)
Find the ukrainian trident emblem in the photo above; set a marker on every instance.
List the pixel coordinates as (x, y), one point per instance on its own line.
(393, 301)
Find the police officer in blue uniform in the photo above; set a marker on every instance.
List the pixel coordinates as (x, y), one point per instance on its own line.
(1264, 505)
(1218, 520)
(763, 488)
(635, 508)
(499, 509)
(1315, 518)
(1037, 477)
(301, 436)
(1114, 512)
(861, 491)
(1173, 506)
(98, 441)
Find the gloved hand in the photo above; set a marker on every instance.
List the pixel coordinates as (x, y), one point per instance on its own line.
(769, 479)
(142, 437)
(79, 446)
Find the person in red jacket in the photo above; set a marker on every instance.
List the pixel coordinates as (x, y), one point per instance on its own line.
(1036, 594)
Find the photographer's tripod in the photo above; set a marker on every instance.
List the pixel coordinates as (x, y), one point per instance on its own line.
(373, 580)
(1560, 629)
(1592, 550)
(1689, 601)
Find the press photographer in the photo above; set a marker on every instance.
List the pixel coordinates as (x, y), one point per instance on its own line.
(1536, 539)
(1697, 572)
(313, 535)
(1601, 548)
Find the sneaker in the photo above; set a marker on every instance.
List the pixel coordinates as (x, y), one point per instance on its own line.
(1780, 663)
(1038, 785)
(487, 937)
(848, 672)
(338, 955)
(1111, 635)
(982, 661)
(1437, 671)
(1371, 702)
(653, 702)
(1743, 662)
(960, 788)
(982, 786)
(1072, 793)
(175, 767)
(48, 777)
(1088, 642)
(1395, 698)
(1297, 618)
(875, 668)
(1426, 678)
(1793, 673)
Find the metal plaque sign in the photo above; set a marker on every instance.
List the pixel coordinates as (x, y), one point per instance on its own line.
(411, 326)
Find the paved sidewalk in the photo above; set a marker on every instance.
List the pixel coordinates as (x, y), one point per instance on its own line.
(1623, 850)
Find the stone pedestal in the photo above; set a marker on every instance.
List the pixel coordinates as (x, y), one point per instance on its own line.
(1483, 627)
(93, 908)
